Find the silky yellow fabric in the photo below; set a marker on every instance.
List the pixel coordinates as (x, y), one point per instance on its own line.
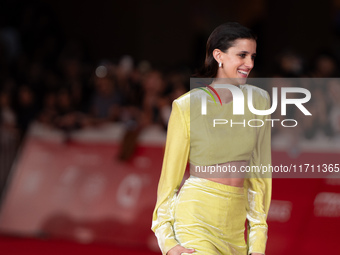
(204, 207)
(191, 139)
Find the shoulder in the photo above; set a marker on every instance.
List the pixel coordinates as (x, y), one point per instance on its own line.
(191, 97)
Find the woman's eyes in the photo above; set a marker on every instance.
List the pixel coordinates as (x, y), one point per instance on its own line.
(243, 55)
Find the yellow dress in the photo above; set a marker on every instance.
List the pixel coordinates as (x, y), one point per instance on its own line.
(206, 215)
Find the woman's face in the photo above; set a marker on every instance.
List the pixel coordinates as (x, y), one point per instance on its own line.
(237, 61)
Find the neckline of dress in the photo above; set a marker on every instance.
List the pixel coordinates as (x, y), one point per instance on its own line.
(230, 102)
(218, 103)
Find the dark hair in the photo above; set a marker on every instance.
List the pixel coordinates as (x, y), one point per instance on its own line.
(222, 38)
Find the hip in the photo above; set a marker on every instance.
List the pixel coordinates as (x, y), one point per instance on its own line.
(202, 203)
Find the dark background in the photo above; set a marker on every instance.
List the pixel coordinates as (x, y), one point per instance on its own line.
(173, 33)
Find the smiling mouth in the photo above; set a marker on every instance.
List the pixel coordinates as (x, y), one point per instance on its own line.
(243, 73)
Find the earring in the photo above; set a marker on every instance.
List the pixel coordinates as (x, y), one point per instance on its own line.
(220, 64)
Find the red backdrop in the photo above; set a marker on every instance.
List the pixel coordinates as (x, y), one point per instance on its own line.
(79, 190)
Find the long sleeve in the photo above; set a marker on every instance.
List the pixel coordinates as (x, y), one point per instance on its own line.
(258, 188)
(174, 164)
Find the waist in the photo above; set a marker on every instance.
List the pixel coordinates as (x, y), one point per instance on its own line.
(229, 173)
(211, 186)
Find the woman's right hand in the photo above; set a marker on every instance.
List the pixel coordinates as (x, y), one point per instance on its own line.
(178, 250)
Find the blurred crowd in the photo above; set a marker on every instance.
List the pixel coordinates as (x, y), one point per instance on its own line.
(73, 99)
(47, 78)
(321, 78)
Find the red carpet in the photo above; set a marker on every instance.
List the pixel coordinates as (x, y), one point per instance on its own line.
(31, 246)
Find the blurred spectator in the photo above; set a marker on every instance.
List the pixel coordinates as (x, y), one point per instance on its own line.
(153, 86)
(325, 66)
(9, 136)
(49, 111)
(67, 119)
(7, 115)
(146, 112)
(72, 79)
(106, 102)
(26, 108)
(318, 123)
(289, 64)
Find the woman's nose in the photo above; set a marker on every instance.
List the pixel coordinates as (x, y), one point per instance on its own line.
(249, 63)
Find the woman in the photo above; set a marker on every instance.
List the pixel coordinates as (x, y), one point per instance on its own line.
(208, 215)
